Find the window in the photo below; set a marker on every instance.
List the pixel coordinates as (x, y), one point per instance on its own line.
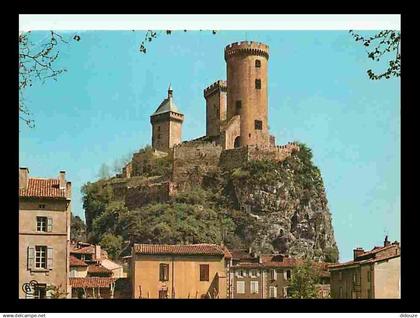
(158, 127)
(254, 287)
(240, 287)
(340, 276)
(273, 292)
(258, 84)
(369, 276)
(287, 274)
(273, 274)
(158, 136)
(258, 125)
(240, 273)
(257, 63)
(285, 292)
(42, 206)
(73, 273)
(163, 272)
(204, 272)
(41, 223)
(238, 106)
(253, 273)
(40, 257)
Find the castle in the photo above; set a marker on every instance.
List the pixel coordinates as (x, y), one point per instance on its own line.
(236, 124)
(236, 113)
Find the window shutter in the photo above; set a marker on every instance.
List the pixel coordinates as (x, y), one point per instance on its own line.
(50, 253)
(31, 257)
(285, 275)
(50, 224)
(274, 274)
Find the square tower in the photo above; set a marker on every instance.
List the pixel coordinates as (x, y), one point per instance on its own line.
(166, 124)
(216, 103)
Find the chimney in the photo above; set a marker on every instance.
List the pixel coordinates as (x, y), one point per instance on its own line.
(97, 252)
(62, 178)
(23, 178)
(356, 252)
(386, 242)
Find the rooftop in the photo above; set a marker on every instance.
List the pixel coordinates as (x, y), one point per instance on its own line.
(89, 282)
(98, 269)
(74, 261)
(192, 249)
(378, 253)
(168, 105)
(43, 188)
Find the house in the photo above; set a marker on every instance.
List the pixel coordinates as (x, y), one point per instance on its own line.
(88, 277)
(268, 275)
(371, 274)
(179, 271)
(44, 235)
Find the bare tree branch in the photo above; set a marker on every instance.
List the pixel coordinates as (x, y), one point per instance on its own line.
(379, 46)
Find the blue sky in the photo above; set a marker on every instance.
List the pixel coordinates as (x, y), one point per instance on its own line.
(319, 94)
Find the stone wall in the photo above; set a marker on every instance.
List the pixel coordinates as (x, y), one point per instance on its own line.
(192, 160)
(234, 158)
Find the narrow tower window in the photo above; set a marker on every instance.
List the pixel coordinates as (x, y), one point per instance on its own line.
(258, 125)
(257, 63)
(258, 84)
(238, 106)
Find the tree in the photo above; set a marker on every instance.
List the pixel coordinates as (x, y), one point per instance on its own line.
(121, 162)
(57, 292)
(104, 171)
(96, 197)
(383, 44)
(37, 62)
(77, 228)
(112, 244)
(303, 281)
(152, 34)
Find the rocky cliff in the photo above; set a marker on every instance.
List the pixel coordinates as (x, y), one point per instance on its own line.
(288, 199)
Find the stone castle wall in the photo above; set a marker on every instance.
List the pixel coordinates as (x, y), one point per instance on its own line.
(192, 160)
(235, 158)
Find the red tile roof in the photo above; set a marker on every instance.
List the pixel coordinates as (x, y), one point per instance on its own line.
(272, 260)
(74, 261)
(83, 250)
(43, 188)
(97, 268)
(192, 249)
(89, 282)
(370, 256)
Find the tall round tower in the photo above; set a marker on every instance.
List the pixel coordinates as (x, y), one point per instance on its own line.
(247, 64)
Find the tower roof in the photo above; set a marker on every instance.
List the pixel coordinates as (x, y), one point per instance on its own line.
(167, 105)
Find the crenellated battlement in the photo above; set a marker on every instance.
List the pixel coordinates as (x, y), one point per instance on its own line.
(218, 85)
(247, 47)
